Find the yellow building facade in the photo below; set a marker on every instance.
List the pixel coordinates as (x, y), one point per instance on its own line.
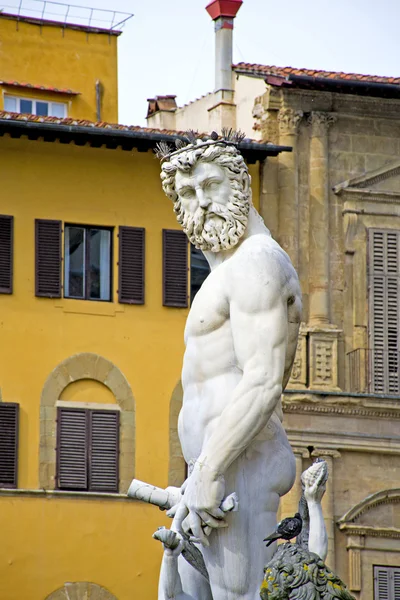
(74, 67)
(106, 340)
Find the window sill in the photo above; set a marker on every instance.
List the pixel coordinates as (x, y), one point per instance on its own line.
(65, 494)
(90, 307)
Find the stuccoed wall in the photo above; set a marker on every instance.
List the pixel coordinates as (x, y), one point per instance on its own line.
(60, 57)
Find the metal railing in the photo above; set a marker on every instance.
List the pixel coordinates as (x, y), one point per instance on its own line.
(66, 14)
(374, 371)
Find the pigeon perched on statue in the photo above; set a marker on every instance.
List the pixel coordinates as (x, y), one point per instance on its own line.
(286, 530)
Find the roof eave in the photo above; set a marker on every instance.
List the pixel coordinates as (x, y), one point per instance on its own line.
(114, 138)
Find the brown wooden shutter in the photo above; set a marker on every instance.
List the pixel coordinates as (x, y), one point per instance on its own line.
(131, 265)
(384, 282)
(8, 444)
(72, 449)
(6, 254)
(104, 451)
(48, 258)
(175, 268)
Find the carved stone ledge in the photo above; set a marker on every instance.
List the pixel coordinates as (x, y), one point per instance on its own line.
(341, 405)
(363, 530)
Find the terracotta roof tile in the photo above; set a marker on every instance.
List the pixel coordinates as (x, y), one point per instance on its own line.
(264, 70)
(69, 121)
(43, 88)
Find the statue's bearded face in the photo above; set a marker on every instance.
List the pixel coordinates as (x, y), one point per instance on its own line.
(211, 207)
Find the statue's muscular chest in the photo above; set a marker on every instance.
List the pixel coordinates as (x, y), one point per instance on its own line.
(210, 308)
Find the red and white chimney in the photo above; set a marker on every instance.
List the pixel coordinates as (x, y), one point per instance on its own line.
(223, 13)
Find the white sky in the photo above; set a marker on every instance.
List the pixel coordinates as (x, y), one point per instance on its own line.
(168, 46)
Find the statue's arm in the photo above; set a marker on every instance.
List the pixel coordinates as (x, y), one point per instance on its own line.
(259, 322)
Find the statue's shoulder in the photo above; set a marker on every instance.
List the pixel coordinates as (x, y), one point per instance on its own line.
(264, 255)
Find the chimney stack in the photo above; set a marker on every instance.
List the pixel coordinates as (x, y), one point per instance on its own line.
(222, 13)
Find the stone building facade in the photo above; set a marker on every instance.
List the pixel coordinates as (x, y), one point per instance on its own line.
(334, 206)
(333, 203)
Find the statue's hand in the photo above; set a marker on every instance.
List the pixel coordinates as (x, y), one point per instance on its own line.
(314, 487)
(199, 510)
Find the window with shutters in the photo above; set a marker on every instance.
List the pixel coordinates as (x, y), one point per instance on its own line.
(87, 263)
(384, 327)
(131, 265)
(175, 268)
(8, 444)
(386, 583)
(199, 270)
(6, 254)
(87, 450)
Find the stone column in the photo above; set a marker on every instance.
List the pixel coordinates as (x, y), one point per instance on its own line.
(289, 121)
(319, 218)
(328, 506)
(290, 502)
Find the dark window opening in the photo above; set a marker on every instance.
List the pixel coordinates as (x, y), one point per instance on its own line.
(87, 263)
(199, 270)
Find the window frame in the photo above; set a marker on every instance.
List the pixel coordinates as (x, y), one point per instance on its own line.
(34, 101)
(87, 261)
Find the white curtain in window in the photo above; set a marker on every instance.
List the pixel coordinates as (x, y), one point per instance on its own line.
(105, 265)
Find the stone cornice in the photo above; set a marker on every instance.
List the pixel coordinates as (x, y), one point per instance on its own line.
(385, 532)
(339, 441)
(322, 403)
(344, 105)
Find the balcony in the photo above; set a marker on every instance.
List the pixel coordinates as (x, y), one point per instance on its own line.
(374, 371)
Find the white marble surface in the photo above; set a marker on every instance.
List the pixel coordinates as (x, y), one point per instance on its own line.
(240, 337)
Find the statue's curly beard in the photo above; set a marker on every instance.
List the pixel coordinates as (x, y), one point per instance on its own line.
(217, 227)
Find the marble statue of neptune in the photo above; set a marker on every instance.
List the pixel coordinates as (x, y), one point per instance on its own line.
(241, 337)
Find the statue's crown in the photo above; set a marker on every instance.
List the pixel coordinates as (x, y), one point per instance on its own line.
(192, 140)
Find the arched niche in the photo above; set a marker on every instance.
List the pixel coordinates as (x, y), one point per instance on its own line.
(177, 464)
(79, 367)
(81, 590)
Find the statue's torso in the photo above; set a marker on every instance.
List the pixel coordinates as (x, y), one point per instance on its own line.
(210, 369)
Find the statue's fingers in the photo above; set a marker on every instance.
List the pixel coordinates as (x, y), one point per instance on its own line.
(180, 516)
(197, 529)
(211, 521)
(217, 513)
